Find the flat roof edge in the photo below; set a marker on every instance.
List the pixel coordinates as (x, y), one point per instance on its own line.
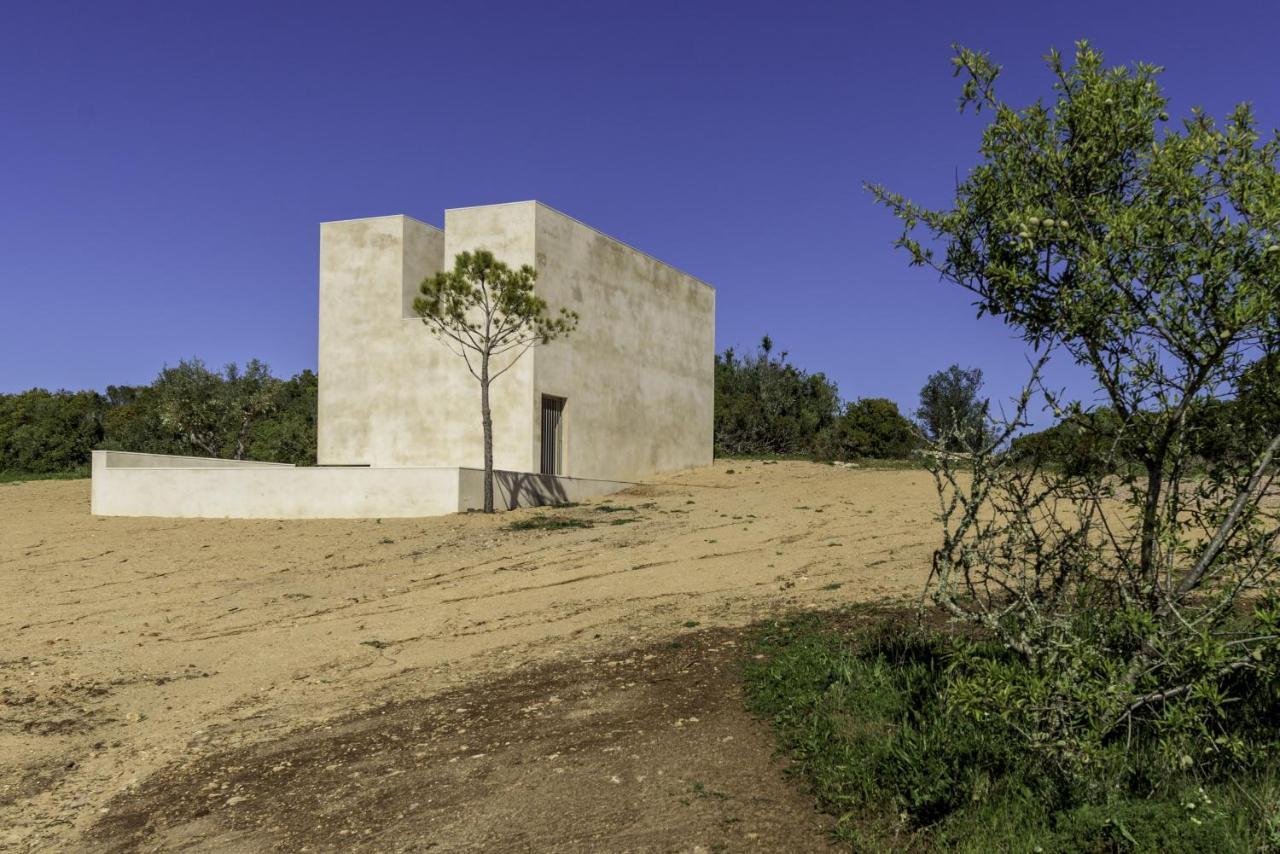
(383, 216)
(591, 227)
(623, 243)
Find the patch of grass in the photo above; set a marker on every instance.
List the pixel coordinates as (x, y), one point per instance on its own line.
(549, 522)
(912, 463)
(24, 476)
(610, 508)
(864, 713)
(701, 790)
(915, 462)
(626, 521)
(835, 585)
(764, 458)
(376, 644)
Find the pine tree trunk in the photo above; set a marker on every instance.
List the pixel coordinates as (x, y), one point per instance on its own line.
(487, 421)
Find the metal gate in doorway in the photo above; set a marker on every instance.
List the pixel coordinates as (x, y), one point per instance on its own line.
(552, 434)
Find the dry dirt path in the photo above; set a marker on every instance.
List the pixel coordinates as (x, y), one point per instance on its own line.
(136, 645)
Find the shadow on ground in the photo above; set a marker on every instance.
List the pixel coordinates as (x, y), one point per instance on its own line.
(644, 750)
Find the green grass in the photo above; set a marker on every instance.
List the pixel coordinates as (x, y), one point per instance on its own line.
(764, 457)
(858, 701)
(23, 476)
(549, 522)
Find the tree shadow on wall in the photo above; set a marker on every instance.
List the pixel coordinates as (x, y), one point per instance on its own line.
(524, 489)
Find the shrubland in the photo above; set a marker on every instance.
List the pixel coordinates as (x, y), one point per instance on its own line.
(1109, 673)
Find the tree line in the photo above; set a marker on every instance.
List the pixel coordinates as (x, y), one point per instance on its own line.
(767, 406)
(764, 405)
(189, 409)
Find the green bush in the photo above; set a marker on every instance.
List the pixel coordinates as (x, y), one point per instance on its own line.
(44, 432)
(876, 721)
(869, 428)
(765, 406)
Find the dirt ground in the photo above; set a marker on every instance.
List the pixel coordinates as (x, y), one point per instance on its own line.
(430, 684)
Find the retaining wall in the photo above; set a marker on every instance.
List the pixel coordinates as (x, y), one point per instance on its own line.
(126, 484)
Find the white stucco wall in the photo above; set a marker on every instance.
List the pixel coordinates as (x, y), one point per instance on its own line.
(638, 373)
(390, 393)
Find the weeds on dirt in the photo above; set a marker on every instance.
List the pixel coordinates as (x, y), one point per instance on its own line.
(869, 716)
(549, 522)
(24, 476)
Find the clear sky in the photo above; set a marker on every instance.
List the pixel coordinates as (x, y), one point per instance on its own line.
(164, 166)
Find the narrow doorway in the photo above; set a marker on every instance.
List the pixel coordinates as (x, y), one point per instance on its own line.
(552, 434)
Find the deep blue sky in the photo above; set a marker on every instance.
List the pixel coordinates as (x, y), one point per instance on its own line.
(163, 166)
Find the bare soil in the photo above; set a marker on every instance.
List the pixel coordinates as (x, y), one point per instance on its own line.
(650, 751)
(247, 685)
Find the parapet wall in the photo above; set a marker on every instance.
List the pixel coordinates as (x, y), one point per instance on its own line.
(198, 487)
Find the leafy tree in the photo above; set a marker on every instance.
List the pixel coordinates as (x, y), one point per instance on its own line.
(483, 310)
(870, 428)
(1145, 252)
(133, 422)
(951, 412)
(215, 412)
(289, 434)
(1081, 444)
(44, 432)
(188, 410)
(765, 405)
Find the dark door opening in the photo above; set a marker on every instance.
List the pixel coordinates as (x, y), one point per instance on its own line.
(552, 434)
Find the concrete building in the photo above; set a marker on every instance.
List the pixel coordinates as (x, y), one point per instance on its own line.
(628, 395)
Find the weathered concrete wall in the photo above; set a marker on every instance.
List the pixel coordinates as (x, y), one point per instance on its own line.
(507, 232)
(391, 394)
(638, 373)
(102, 491)
(364, 364)
(196, 487)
